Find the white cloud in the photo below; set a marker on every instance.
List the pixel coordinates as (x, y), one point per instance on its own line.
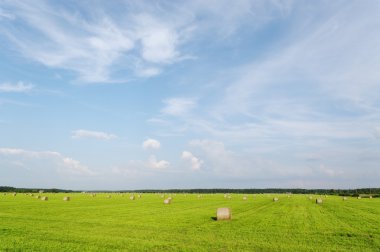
(92, 134)
(178, 106)
(158, 40)
(154, 164)
(151, 144)
(63, 164)
(195, 162)
(18, 87)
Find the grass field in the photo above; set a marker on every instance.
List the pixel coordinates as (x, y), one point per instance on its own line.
(99, 223)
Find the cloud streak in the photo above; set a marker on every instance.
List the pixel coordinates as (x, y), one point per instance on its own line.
(77, 134)
(63, 164)
(19, 87)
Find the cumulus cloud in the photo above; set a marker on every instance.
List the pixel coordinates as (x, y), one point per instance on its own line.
(63, 163)
(178, 106)
(151, 144)
(195, 162)
(92, 134)
(18, 87)
(154, 164)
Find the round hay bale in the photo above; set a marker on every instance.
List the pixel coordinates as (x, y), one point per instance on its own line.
(45, 198)
(139, 196)
(168, 201)
(132, 197)
(275, 199)
(225, 196)
(14, 194)
(318, 201)
(66, 198)
(223, 213)
(244, 197)
(310, 198)
(38, 197)
(370, 196)
(344, 198)
(359, 197)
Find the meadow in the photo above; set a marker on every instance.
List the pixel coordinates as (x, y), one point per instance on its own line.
(100, 223)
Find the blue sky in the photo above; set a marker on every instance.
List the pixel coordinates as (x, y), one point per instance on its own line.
(189, 94)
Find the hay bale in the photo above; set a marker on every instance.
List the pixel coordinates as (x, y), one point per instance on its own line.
(199, 196)
(344, 198)
(244, 197)
(310, 198)
(109, 196)
(370, 196)
(168, 201)
(225, 196)
(66, 198)
(45, 198)
(318, 201)
(275, 199)
(359, 197)
(14, 194)
(139, 196)
(223, 213)
(132, 197)
(38, 197)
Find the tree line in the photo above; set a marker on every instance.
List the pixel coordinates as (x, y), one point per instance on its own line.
(342, 192)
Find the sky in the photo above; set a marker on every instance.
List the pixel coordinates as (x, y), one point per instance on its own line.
(112, 95)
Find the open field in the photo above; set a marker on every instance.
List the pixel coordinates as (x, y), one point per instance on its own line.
(87, 223)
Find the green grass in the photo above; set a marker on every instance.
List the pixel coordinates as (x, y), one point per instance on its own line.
(119, 224)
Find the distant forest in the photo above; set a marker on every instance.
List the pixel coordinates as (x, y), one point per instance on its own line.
(342, 192)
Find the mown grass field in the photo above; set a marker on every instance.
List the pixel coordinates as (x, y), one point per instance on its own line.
(119, 224)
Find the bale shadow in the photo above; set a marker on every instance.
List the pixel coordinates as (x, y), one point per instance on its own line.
(214, 218)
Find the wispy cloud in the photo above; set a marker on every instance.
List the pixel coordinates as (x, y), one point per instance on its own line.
(103, 46)
(19, 87)
(91, 42)
(6, 15)
(63, 164)
(178, 106)
(92, 134)
(151, 144)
